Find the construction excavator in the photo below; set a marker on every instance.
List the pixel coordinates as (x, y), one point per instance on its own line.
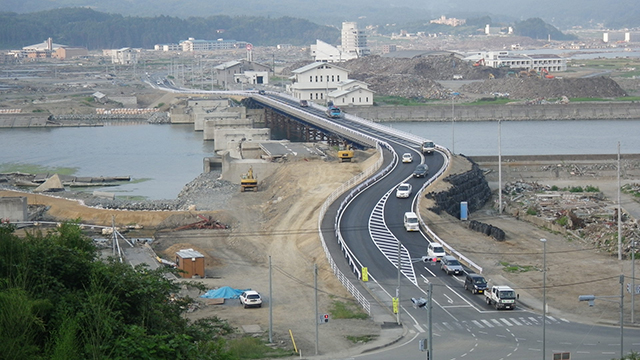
(546, 73)
(479, 62)
(346, 154)
(248, 181)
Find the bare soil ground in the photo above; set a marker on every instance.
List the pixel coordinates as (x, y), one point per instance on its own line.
(281, 221)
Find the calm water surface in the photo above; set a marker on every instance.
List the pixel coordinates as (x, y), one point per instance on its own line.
(170, 156)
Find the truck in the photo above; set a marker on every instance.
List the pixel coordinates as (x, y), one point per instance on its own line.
(428, 147)
(501, 297)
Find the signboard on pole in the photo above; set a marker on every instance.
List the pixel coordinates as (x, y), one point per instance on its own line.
(395, 305)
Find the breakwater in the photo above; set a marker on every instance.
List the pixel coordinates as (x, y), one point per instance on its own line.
(447, 112)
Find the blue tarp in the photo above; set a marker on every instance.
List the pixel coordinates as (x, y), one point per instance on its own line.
(224, 292)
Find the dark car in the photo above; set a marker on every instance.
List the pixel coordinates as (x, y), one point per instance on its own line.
(304, 103)
(421, 170)
(261, 92)
(475, 283)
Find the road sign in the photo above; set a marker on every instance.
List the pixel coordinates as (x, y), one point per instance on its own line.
(637, 289)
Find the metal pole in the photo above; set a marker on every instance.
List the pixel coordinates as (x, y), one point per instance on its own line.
(315, 286)
(453, 126)
(398, 288)
(633, 278)
(544, 297)
(270, 304)
(500, 166)
(619, 210)
(622, 316)
(429, 313)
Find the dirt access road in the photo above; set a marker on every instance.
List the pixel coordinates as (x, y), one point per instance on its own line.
(281, 221)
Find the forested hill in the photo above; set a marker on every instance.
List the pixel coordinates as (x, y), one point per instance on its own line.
(83, 27)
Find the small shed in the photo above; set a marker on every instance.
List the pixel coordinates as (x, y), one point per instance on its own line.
(191, 261)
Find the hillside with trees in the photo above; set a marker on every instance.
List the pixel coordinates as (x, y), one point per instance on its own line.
(58, 300)
(95, 30)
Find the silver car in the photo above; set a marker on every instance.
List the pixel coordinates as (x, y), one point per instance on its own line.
(451, 265)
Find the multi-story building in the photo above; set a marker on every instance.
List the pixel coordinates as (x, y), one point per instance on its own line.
(538, 62)
(124, 56)
(316, 80)
(192, 44)
(64, 52)
(448, 21)
(240, 71)
(354, 45)
(354, 41)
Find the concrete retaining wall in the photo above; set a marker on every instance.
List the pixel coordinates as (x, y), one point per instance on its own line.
(573, 111)
(13, 209)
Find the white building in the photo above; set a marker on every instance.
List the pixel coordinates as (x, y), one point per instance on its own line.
(167, 47)
(124, 56)
(192, 44)
(351, 92)
(316, 80)
(354, 41)
(496, 59)
(354, 45)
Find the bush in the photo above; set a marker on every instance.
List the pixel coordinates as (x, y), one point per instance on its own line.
(554, 188)
(576, 189)
(532, 211)
(590, 188)
(563, 221)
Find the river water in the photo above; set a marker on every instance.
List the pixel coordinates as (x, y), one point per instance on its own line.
(161, 159)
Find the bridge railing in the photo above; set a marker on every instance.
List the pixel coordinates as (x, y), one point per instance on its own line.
(353, 262)
(432, 234)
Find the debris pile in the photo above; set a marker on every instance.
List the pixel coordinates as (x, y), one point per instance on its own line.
(584, 213)
(541, 88)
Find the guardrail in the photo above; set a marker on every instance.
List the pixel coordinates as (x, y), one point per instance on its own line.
(432, 234)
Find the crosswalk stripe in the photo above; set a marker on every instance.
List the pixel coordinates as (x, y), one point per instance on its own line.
(534, 320)
(506, 322)
(496, 322)
(487, 323)
(477, 323)
(525, 321)
(446, 324)
(516, 321)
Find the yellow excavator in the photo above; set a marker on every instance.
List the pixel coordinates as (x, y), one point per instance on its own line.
(346, 154)
(248, 181)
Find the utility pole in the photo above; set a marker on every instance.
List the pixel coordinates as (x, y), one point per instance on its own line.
(430, 321)
(270, 304)
(399, 277)
(619, 210)
(315, 287)
(500, 167)
(453, 126)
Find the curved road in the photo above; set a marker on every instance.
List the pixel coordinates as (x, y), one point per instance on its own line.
(462, 324)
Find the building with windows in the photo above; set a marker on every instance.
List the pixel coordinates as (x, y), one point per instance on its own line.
(124, 56)
(64, 53)
(354, 45)
(538, 62)
(315, 81)
(351, 92)
(192, 44)
(240, 72)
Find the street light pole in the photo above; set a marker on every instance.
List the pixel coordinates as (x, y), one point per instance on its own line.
(544, 296)
(500, 167)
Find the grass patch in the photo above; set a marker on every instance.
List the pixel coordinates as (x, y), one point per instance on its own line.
(532, 211)
(400, 101)
(361, 339)
(346, 310)
(488, 101)
(563, 221)
(254, 348)
(512, 268)
(35, 169)
(628, 189)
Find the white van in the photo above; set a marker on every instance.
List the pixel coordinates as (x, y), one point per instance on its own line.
(435, 250)
(411, 221)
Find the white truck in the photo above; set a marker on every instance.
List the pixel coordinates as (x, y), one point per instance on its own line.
(501, 297)
(428, 147)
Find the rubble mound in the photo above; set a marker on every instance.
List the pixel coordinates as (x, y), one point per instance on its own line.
(534, 87)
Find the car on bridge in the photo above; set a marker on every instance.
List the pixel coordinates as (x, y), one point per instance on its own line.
(421, 171)
(403, 191)
(304, 103)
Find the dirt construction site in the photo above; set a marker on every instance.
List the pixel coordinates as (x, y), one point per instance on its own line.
(280, 221)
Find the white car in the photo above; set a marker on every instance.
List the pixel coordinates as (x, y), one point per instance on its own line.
(407, 158)
(403, 191)
(250, 298)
